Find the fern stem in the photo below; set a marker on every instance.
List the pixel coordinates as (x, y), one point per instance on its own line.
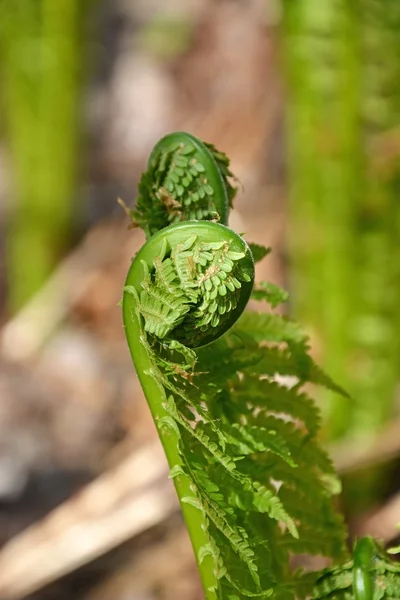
(156, 397)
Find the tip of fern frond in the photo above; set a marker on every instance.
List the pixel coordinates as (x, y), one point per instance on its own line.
(124, 207)
(128, 212)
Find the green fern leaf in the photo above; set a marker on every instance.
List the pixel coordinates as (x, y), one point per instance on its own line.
(269, 292)
(269, 327)
(258, 251)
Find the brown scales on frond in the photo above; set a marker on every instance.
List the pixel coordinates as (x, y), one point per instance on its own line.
(128, 213)
(172, 205)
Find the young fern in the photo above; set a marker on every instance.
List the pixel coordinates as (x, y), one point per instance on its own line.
(370, 575)
(254, 485)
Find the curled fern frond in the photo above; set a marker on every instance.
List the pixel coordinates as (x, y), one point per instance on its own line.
(254, 484)
(192, 281)
(185, 180)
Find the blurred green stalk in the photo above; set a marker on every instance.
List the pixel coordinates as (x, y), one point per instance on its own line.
(342, 64)
(40, 63)
(322, 67)
(376, 324)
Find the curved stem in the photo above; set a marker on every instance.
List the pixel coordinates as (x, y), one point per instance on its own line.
(142, 352)
(156, 398)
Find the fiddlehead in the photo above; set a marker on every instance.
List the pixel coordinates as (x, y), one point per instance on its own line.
(230, 431)
(191, 282)
(185, 180)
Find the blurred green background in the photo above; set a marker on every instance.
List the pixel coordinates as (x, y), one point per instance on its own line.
(305, 98)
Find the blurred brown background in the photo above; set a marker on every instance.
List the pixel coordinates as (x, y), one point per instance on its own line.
(304, 100)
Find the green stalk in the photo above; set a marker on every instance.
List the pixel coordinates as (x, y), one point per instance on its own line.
(342, 65)
(156, 398)
(40, 52)
(376, 325)
(322, 65)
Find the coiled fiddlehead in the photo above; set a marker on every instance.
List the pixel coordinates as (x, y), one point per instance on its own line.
(229, 429)
(185, 180)
(191, 281)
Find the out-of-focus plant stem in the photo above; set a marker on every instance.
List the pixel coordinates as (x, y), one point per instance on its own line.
(322, 67)
(376, 328)
(40, 61)
(342, 64)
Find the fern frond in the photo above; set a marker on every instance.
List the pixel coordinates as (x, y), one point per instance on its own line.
(223, 163)
(241, 445)
(250, 440)
(274, 399)
(258, 251)
(269, 327)
(269, 292)
(185, 180)
(293, 361)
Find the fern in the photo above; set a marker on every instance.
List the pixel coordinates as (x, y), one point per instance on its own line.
(369, 576)
(186, 179)
(226, 389)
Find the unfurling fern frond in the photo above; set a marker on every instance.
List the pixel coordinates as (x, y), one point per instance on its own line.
(186, 179)
(239, 430)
